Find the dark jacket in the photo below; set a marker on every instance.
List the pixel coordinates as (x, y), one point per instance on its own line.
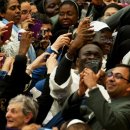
(108, 116)
(12, 85)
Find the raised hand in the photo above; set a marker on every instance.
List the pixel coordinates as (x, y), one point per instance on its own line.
(82, 87)
(84, 35)
(90, 78)
(25, 24)
(25, 41)
(2, 31)
(51, 63)
(62, 40)
(8, 65)
(38, 62)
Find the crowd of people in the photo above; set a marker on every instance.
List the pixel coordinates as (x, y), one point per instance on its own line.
(64, 65)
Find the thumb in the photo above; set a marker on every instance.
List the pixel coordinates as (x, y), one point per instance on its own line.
(98, 74)
(128, 89)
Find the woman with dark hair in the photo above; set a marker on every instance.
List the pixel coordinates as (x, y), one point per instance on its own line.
(68, 15)
(110, 10)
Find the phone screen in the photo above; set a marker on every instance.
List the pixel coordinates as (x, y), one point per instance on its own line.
(7, 35)
(36, 27)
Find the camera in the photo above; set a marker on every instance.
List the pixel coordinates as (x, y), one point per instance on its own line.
(71, 30)
(94, 65)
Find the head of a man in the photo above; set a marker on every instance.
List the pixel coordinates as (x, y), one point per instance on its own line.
(103, 36)
(22, 110)
(88, 53)
(10, 10)
(118, 81)
(46, 28)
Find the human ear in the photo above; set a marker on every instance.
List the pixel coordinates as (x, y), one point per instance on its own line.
(28, 117)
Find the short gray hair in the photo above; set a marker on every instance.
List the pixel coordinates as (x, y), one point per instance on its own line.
(28, 105)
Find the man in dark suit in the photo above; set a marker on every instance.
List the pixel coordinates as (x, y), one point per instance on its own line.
(89, 104)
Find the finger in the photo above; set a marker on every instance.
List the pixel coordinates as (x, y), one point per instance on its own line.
(98, 74)
(67, 34)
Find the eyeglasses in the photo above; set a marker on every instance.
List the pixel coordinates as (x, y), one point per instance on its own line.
(107, 40)
(25, 12)
(116, 75)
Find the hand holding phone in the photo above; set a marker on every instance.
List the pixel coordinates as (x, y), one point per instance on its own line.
(7, 34)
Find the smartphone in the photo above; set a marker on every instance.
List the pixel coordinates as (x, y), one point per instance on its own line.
(36, 28)
(91, 17)
(94, 65)
(70, 30)
(7, 35)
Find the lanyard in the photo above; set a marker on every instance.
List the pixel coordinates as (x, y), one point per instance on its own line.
(14, 26)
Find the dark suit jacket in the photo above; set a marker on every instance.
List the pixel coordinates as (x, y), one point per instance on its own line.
(12, 85)
(98, 112)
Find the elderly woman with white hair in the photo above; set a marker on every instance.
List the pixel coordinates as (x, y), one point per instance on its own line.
(22, 110)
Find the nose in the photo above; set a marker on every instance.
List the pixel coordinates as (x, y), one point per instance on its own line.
(17, 10)
(8, 114)
(65, 15)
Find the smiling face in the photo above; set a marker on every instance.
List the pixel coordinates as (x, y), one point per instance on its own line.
(15, 117)
(88, 53)
(105, 40)
(117, 87)
(13, 11)
(68, 15)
